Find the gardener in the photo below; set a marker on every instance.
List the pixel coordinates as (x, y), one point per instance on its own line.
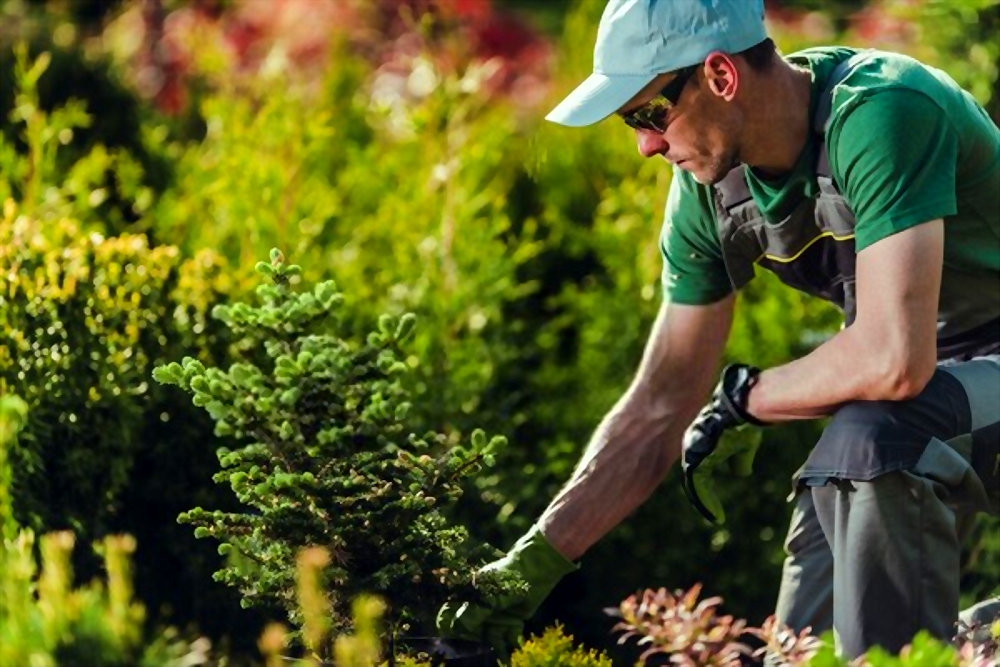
(864, 178)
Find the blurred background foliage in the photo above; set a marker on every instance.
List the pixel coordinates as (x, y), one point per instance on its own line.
(397, 146)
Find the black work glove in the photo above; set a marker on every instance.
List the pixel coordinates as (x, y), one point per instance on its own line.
(726, 410)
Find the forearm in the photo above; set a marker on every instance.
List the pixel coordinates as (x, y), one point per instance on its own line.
(848, 367)
(638, 441)
(627, 458)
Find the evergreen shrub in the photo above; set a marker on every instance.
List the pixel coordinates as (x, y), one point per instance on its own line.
(325, 458)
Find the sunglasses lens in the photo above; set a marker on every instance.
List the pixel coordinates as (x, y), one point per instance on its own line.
(652, 119)
(655, 120)
(649, 118)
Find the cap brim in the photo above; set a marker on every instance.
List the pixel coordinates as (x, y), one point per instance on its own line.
(597, 98)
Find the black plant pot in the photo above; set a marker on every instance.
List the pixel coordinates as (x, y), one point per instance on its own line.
(447, 652)
(440, 652)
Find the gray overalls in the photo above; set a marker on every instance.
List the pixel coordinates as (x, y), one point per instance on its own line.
(888, 493)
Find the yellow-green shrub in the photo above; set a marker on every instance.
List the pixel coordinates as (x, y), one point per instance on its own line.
(59, 160)
(83, 319)
(13, 412)
(45, 621)
(555, 648)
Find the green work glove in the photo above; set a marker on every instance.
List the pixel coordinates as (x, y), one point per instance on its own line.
(500, 623)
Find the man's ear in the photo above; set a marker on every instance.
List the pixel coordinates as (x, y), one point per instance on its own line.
(721, 75)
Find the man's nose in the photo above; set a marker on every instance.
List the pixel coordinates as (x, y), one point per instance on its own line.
(651, 143)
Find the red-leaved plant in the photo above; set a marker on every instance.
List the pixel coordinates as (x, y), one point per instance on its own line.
(690, 634)
(781, 642)
(979, 643)
(676, 624)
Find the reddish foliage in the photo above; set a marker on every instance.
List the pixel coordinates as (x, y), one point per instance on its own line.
(679, 625)
(812, 25)
(874, 25)
(385, 32)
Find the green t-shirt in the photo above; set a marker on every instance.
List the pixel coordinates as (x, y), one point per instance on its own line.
(906, 145)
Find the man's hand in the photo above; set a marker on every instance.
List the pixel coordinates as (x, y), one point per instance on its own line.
(726, 410)
(501, 623)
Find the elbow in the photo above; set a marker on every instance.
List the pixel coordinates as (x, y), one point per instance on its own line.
(904, 379)
(898, 361)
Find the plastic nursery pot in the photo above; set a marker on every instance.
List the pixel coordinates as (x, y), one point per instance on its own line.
(447, 652)
(438, 652)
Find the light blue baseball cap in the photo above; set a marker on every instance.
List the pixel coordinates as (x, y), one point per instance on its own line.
(640, 39)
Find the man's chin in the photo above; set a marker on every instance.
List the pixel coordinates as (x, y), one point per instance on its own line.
(705, 177)
(710, 176)
(690, 168)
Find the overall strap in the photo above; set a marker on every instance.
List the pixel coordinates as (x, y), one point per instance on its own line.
(824, 110)
(732, 191)
(743, 232)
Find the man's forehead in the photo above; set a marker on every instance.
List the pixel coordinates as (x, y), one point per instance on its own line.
(648, 92)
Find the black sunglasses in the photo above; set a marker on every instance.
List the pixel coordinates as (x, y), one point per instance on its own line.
(653, 114)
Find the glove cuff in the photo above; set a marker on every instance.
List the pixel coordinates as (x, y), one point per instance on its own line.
(737, 380)
(541, 567)
(539, 560)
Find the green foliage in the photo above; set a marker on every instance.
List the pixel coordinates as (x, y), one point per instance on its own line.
(84, 318)
(528, 252)
(555, 648)
(958, 36)
(13, 413)
(325, 458)
(403, 199)
(43, 620)
(51, 159)
(925, 650)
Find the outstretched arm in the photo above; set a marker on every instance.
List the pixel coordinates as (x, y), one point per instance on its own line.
(637, 442)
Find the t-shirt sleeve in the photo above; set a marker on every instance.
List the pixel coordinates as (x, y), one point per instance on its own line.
(694, 272)
(896, 161)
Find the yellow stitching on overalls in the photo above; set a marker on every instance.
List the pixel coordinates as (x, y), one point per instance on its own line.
(804, 248)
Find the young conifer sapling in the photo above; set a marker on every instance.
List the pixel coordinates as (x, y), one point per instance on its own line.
(323, 457)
